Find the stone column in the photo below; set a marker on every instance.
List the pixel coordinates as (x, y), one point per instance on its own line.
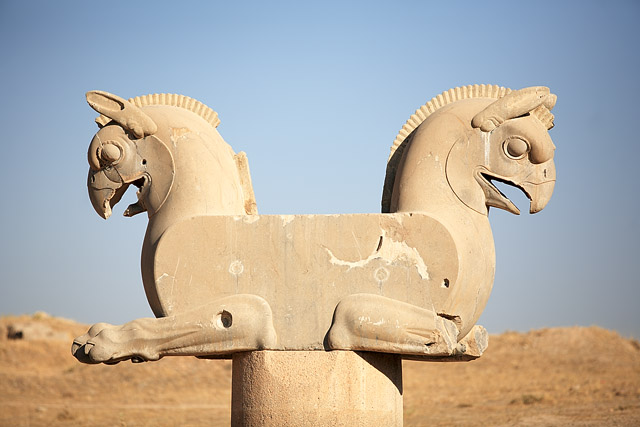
(316, 388)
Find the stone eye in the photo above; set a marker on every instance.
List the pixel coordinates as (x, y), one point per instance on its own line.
(516, 148)
(110, 153)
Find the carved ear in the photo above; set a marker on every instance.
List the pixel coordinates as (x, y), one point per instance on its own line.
(512, 105)
(123, 112)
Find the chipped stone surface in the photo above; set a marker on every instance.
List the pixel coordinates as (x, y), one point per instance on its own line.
(226, 282)
(304, 265)
(391, 252)
(221, 279)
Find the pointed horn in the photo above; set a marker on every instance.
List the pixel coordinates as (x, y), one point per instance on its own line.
(512, 105)
(123, 112)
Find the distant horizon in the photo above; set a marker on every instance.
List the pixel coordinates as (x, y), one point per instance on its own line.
(41, 315)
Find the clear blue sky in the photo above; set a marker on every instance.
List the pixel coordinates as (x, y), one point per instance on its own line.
(315, 94)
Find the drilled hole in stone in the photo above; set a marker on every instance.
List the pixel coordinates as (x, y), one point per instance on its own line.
(225, 319)
(445, 283)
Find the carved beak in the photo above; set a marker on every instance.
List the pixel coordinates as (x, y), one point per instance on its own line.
(537, 184)
(540, 192)
(104, 193)
(540, 195)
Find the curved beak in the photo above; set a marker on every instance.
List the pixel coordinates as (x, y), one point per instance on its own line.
(540, 195)
(104, 193)
(540, 188)
(100, 201)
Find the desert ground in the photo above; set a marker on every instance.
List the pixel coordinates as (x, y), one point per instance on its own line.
(573, 376)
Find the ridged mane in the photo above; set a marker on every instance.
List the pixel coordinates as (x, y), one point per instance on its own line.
(173, 100)
(421, 114)
(445, 98)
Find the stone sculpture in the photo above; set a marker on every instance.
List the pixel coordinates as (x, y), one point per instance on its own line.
(222, 279)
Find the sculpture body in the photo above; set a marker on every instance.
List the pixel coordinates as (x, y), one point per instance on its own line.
(222, 279)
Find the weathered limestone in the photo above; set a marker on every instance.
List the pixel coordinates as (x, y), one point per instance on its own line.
(224, 281)
(311, 388)
(412, 282)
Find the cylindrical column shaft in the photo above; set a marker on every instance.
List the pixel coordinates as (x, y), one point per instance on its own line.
(316, 388)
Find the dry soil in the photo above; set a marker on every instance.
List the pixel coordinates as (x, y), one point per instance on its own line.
(564, 376)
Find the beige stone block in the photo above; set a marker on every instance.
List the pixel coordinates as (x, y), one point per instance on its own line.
(221, 279)
(310, 388)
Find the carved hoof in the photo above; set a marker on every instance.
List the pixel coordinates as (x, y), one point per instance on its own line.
(231, 324)
(105, 343)
(368, 322)
(80, 349)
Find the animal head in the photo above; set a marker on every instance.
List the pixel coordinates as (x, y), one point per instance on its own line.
(125, 151)
(147, 140)
(509, 143)
(490, 134)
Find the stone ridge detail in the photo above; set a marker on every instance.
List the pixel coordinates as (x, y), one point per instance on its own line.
(222, 280)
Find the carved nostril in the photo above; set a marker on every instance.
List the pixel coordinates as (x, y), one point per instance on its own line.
(224, 319)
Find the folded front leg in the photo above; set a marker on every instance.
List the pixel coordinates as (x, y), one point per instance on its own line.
(369, 322)
(228, 325)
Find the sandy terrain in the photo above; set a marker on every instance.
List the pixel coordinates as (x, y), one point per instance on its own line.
(564, 376)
